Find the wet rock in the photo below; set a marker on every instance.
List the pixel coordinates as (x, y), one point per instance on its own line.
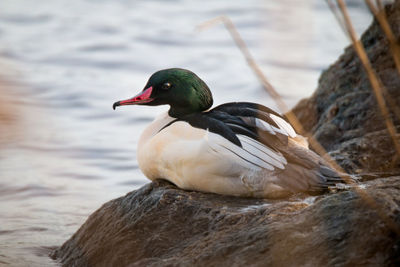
(343, 114)
(161, 225)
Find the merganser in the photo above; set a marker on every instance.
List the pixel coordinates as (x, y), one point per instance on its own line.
(239, 148)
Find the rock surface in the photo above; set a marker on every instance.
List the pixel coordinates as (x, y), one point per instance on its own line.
(161, 225)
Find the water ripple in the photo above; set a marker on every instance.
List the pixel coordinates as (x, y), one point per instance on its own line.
(103, 47)
(24, 19)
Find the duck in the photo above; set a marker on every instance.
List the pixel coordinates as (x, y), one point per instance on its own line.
(239, 148)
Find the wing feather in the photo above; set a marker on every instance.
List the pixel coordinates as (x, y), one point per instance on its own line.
(274, 158)
(235, 154)
(284, 125)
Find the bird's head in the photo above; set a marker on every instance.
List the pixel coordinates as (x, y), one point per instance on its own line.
(183, 90)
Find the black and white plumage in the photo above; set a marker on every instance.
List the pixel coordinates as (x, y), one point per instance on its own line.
(241, 148)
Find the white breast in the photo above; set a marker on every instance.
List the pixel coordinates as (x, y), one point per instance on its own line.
(159, 122)
(167, 153)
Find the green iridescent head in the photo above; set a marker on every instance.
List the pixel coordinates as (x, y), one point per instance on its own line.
(183, 90)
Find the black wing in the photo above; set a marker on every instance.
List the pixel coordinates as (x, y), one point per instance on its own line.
(244, 118)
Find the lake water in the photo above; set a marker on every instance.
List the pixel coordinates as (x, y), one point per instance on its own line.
(64, 151)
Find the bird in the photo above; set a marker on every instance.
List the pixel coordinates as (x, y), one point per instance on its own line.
(239, 148)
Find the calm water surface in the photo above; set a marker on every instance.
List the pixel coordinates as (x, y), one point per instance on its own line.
(63, 63)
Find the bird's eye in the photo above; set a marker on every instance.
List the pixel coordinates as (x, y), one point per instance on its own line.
(166, 86)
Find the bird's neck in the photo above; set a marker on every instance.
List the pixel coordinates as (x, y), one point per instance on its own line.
(178, 112)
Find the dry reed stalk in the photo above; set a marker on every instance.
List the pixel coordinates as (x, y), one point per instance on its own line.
(338, 18)
(272, 92)
(392, 41)
(377, 88)
(376, 83)
(352, 36)
(294, 120)
(380, 15)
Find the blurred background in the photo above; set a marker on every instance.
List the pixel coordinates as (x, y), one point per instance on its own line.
(63, 63)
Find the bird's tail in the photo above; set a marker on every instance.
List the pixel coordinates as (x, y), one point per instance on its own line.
(329, 179)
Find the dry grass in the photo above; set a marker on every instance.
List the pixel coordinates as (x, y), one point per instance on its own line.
(380, 15)
(378, 88)
(273, 93)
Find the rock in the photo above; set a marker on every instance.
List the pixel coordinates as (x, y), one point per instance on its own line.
(160, 224)
(343, 114)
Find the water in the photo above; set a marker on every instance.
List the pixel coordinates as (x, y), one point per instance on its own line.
(64, 151)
